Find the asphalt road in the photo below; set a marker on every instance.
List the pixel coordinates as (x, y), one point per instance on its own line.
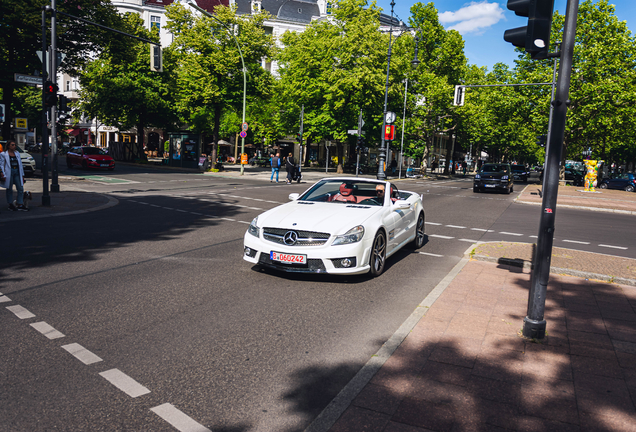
(156, 288)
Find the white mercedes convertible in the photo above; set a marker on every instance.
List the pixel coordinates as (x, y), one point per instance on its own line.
(338, 226)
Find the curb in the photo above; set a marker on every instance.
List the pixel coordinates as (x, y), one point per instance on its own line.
(111, 203)
(527, 265)
(338, 405)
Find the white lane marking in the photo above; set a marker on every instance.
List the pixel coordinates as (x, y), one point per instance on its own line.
(245, 222)
(228, 219)
(47, 330)
(440, 236)
(432, 223)
(456, 226)
(4, 299)
(182, 211)
(154, 205)
(509, 233)
(81, 353)
(613, 247)
(468, 240)
(20, 312)
(533, 236)
(431, 254)
(482, 230)
(124, 383)
(178, 419)
(577, 242)
(198, 214)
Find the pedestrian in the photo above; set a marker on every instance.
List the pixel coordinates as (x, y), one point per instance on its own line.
(464, 166)
(290, 166)
(13, 174)
(275, 167)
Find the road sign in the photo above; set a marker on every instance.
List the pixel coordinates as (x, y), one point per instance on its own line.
(21, 123)
(27, 79)
(243, 134)
(244, 127)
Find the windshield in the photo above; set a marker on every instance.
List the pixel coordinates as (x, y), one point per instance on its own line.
(494, 168)
(346, 191)
(93, 151)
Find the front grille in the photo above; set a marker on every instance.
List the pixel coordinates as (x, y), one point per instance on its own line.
(305, 238)
(313, 265)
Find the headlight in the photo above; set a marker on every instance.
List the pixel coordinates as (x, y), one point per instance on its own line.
(504, 177)
(29, 158)
(477, 176)
(92, 160)
(253, 229)
(354, 235)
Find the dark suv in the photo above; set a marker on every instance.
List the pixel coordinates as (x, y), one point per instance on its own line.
(494, 176)
(519, 172)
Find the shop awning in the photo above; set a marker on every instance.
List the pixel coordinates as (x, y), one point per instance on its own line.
(73, 132)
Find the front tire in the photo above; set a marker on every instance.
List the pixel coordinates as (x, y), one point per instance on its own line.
(420, 236)
(378, 254)
(603, 186)
(629, 188)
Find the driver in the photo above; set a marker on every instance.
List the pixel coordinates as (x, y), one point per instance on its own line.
(379, 192)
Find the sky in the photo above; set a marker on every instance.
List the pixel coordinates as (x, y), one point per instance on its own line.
(482, 24)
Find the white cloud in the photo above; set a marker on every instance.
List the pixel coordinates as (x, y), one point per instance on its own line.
(473, 18)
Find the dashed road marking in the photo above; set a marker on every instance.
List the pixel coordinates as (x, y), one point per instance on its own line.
(431, 254)
(577, 242)
(482, 230)
(82, 354)
(47, 330)
(4, 298)
(509, 233)
(613, 247)
(468, 240)
(441, 236)
(178, 419)
(124, 383)
(432, 223)
(456, 226)
(20, 312)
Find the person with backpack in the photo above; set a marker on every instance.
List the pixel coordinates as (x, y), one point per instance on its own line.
(290, 167)
(275, 167)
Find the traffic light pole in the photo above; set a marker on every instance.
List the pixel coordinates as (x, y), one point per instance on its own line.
(302, 120)
(46, 198)
(55, 187)
(534, 324)
(359, 148)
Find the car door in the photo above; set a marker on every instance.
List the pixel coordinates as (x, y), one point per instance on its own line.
(618, 181)
(404, 217)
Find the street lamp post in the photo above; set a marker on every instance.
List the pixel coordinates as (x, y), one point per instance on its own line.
(383, 146)
(206, 13)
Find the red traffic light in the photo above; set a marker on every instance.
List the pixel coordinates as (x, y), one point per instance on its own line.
(50, 94)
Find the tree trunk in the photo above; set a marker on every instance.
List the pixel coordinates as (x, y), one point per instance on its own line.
(215, 133)
(139, 148)
(339, 149)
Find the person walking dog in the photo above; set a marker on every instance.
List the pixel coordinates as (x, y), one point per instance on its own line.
(11, 166)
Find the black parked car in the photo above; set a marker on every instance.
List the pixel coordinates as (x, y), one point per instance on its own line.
(625, 181)
(520, 172)
(576, 177)
(494, 176)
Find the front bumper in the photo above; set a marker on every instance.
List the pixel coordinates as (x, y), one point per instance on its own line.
(491, 184)
(320, 259)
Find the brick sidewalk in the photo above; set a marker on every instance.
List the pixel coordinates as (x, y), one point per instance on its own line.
(463, 367)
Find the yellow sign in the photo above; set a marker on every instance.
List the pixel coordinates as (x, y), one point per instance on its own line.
(21, 123)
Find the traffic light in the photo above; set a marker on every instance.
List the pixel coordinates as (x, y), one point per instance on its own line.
(50, 94)
(63, 104)
(299, 137)
(535, 37)
(156, 60)
(541, 140)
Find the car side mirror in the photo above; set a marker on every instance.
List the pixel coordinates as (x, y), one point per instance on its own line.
(293, 196)
(402, 204)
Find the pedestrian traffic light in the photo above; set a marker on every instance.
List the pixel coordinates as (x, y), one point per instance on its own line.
(156, 60)
(63, 104)
(535, 37)
(50, 94)
(299, 137)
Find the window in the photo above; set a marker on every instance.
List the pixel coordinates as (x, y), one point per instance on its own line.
(68, 85)
(155, 22)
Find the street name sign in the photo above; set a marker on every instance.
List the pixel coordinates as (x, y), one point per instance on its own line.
(27, 79)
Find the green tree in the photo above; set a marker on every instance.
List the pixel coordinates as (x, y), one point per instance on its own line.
(335, 68)
(208, 68)
(119, 88)
(21, 38)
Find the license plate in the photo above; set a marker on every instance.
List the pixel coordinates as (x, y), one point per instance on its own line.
(104, 165)
(489, 185)
(288, 258)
